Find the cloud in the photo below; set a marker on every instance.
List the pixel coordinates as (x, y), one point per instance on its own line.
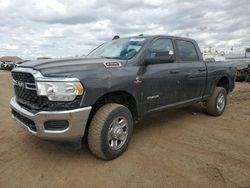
(31, 28)
(10, 47)
(4, 3)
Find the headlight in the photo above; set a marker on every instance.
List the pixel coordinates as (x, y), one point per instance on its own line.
(60, 91)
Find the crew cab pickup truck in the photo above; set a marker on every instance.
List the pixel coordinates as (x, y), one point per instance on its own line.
(105, 93)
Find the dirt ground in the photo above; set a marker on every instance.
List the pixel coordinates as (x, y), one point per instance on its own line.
(178, 148)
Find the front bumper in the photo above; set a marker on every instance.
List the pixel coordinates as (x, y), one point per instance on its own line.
(77, 120)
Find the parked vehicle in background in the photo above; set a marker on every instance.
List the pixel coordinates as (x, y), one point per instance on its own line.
(9, 62)
(104, 94)
(5, 66)
(212, 55)
(10, 65)
(243, 74)
(243, 69)
(213, 58)
(1, 65)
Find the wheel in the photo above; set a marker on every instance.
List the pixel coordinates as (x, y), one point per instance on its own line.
(217, 102)
(110, 131)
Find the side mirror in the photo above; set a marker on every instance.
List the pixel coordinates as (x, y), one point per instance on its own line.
(158, 60)
(160, 57)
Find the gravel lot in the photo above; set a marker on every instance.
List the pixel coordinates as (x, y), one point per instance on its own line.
(177, 148)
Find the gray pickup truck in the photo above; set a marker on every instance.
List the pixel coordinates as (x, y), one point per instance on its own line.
(105, 93)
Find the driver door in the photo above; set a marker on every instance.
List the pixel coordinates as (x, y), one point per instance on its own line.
(161, 81)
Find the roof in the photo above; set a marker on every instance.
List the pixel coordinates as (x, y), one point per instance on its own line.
(155, 36)
(10, 59)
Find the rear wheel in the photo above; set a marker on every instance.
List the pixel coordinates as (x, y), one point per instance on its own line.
(110, 131)
(217, 102)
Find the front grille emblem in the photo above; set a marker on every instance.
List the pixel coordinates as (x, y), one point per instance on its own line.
(29, 86)
(19, 84)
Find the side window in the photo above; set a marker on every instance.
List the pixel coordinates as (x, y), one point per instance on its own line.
(161, 48)
(187, 51)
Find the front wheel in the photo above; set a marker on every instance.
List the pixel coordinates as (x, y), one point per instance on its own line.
(110, 131)
(217, 102)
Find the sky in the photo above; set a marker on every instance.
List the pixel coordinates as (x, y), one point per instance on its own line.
(61, 28)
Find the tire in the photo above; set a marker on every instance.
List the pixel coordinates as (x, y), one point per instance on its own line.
(217, 102)
(110, 123)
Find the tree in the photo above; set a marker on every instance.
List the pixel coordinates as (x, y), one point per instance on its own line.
(247, 50)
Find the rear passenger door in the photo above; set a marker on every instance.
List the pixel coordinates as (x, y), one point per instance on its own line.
(192, 69)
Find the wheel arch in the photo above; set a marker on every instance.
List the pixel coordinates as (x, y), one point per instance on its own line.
(120, 97)
(224, 82)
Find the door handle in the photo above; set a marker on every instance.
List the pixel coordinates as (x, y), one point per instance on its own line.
(201, 69)
(174, 71)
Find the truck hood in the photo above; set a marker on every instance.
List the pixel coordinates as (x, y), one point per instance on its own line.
(69, 67)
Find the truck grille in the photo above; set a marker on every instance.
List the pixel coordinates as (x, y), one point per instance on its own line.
(23, 77)
(26, 95)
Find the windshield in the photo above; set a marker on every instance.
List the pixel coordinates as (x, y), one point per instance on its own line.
(119, 48)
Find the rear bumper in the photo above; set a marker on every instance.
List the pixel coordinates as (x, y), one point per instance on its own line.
(77, 120)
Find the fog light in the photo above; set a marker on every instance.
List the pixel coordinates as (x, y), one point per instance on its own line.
(56, 125)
